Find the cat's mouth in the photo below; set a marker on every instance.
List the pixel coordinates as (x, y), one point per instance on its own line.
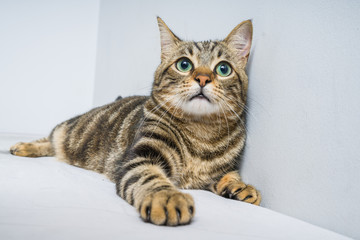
(200, 96)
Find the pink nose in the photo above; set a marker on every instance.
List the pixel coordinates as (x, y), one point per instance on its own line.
(202, 79)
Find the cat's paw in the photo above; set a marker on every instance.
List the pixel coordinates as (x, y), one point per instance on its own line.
(167, 207)
(242, 192)
(231, 186)
(22, 149)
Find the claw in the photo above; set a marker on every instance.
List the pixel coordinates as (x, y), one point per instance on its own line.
(148, 211)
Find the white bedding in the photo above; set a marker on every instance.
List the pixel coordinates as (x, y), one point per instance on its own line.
(41, 198)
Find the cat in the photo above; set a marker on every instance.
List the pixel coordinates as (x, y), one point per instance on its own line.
(188, 134)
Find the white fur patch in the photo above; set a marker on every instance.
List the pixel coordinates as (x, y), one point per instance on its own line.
(200, 106)
(197, 106)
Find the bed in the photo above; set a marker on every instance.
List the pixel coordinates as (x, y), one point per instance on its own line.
(42, 198)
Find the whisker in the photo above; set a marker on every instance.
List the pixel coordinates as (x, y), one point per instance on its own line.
(241, 105)
(146, 117)
(220, 125)
(242, 123)
(227, 124)
(181, 100)
(163, 114)
(259, 104)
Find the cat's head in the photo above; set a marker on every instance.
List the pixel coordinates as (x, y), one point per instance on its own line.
(201, 79)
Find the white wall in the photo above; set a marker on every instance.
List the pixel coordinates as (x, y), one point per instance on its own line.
(303, 144)
(47, 62)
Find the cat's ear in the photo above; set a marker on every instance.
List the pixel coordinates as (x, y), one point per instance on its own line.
(167, 38)
(240, 38)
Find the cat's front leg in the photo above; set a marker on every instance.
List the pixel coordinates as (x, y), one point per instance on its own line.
(145, 185)
(231, 186)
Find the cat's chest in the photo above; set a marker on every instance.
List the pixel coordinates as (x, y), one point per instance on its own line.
(198, 171)
(207, 155)
(194, 175)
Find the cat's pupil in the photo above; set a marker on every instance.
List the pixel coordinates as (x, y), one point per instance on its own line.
(224, 69)
(184, 64)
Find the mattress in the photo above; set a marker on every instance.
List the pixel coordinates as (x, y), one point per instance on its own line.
(42, 198)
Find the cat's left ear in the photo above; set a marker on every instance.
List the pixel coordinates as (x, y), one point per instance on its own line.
(167, 38)
(240, 38)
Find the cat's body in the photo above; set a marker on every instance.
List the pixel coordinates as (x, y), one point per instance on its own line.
(188, 134)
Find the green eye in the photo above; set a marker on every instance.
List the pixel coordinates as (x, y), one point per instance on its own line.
(184, 65)
(223, 69)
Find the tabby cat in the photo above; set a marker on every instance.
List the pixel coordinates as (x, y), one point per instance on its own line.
(188, 134)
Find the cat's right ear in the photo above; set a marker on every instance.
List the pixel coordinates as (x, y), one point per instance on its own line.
(167, 38)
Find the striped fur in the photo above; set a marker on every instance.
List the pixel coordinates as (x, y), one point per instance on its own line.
(152, 146)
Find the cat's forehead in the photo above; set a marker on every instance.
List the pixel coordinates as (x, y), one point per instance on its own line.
(205, 52)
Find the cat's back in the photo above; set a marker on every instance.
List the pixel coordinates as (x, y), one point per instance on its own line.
(89, 139)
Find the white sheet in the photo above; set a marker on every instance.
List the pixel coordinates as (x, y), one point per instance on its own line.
(41, 198)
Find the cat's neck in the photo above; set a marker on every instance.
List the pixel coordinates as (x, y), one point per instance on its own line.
(211, 127)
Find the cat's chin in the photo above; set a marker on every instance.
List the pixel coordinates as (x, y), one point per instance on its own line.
(200, 107)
